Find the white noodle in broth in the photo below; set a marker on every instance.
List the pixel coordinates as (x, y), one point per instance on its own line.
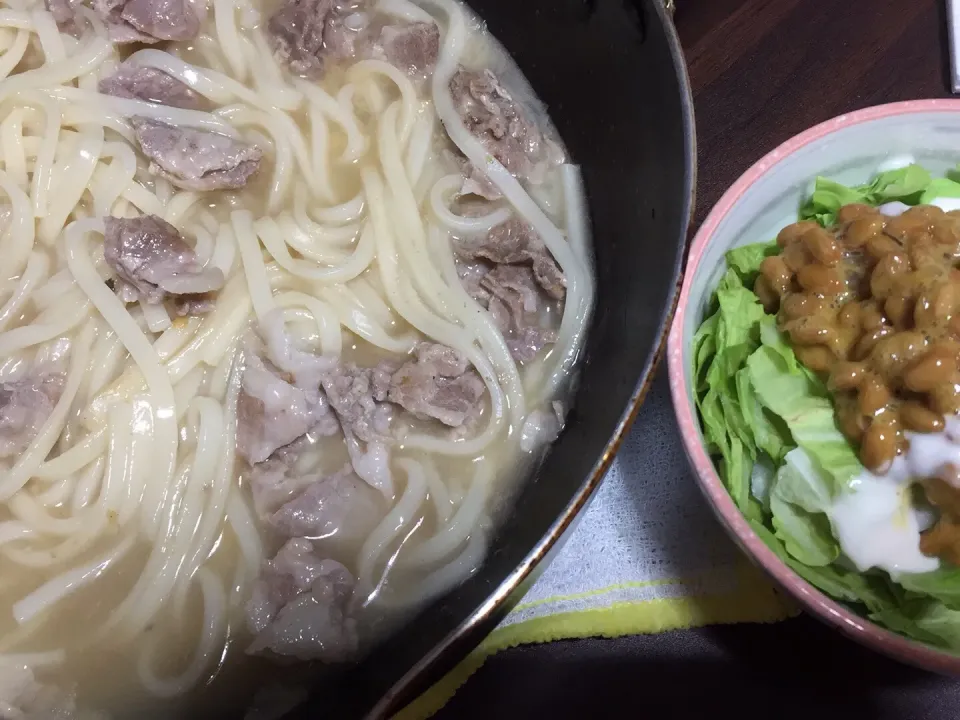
(131, 524)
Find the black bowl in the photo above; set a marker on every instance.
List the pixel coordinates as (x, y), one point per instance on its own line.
(611, 73)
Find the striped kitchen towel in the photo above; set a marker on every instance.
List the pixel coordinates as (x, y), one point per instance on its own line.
(647, 556)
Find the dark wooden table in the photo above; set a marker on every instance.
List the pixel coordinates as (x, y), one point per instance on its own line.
(765, 70)
(761, 71)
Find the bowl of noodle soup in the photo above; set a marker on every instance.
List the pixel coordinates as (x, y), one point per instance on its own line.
(296, 294)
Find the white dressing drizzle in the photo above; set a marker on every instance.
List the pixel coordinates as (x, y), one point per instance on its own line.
(877, 522)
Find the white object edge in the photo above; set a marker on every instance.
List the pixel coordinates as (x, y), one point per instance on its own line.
(953, 33)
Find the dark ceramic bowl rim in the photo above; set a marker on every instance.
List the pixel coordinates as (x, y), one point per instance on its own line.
(831, 612)
(505, 594)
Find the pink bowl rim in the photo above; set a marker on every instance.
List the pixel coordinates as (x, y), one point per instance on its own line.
(854, 626)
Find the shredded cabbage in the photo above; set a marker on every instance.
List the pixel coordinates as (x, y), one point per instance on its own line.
(770, 425)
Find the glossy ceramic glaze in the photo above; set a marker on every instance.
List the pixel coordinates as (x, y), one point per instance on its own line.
(611, 73)
(849, 148)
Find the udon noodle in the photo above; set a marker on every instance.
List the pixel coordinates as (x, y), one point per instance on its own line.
(131, 522)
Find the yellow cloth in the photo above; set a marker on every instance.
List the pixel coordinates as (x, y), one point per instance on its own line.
(752, 600)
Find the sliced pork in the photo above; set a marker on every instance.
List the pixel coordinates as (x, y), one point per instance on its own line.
(196, 159)
(338, 507)
(152, 260)
(148, 21)
(515, 242)
(515, 285)
(475, 183)
(64, 13)
(296, 32)
(201, 304)
(357, 395)
(471, 276)
(25, 405)
(510, 272)
(541, 427)
(412, 47)
(514, 302)
(138, 82)
(300, 607)
(346, 34)
(439, 384)
(273, 483)
(272, 412)
(501, 125)
(308, 34)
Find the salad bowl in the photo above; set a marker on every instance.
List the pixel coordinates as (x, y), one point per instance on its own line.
(887, 156)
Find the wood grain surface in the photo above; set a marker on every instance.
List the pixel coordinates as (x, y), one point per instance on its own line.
(765, 70)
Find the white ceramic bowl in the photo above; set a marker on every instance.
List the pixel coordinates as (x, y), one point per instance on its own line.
(850, 149)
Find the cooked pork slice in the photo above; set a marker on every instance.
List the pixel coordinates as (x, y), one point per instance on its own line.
(64, 13)
(196, 159)
(516, 242)
(512, 241)
(25, 405)
(477, 183)
(444, 360)
(346, 34)
(412, 47)
(541, 427)
(471, 276)
(138, 82)
(272, 413)
(516, 286)
(151, 258)
(333, 507)
(307, 35)
(501, 125)
(549, 276)
(514, 294)
(273, 484)
(300, 607)
(357, 395)
(198, 304)
(148, 21)
(439, 385)
(297, 33)
(514, 304)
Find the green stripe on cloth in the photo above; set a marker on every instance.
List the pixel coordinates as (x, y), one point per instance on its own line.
(754, 600)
